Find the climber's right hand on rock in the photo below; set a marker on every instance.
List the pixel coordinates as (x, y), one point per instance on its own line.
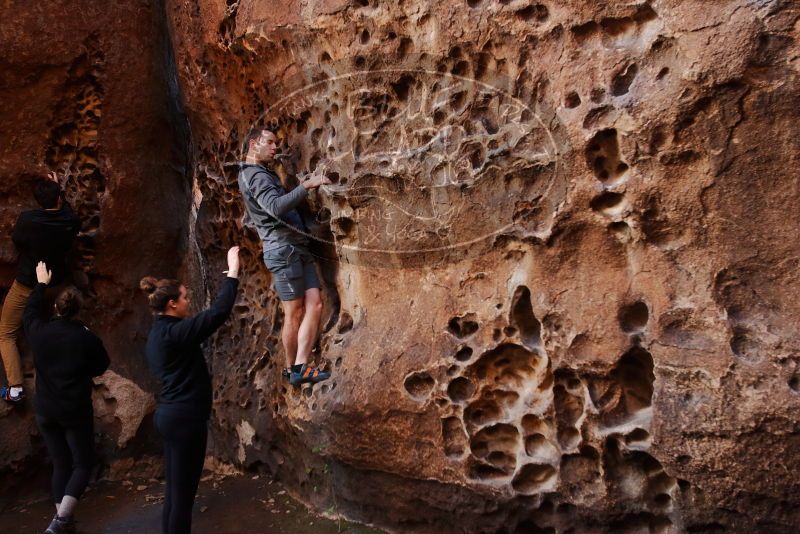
(317, 178)
(53, 177)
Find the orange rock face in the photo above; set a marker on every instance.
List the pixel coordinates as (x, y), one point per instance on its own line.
(559, 253)
(559, 256)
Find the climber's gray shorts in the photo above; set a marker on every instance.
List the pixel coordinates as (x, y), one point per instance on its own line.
(293, 271)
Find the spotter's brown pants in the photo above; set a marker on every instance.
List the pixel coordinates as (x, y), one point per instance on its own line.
(10, 327)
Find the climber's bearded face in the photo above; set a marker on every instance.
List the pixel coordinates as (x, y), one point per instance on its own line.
(264, 147)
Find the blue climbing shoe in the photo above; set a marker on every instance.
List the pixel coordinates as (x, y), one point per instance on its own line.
(308, 374)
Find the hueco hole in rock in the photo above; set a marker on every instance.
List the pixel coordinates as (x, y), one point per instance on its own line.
(555, 247)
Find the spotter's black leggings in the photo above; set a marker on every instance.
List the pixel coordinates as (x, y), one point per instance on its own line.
(184, 452)
(71, 449)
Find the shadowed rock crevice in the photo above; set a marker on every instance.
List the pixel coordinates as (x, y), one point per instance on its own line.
(633, 317)
(463, 326)
(622, 81)
(524, 320)
(419, 385)
(604, 158)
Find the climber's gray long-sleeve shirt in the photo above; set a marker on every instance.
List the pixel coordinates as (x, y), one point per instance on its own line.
(271, 208)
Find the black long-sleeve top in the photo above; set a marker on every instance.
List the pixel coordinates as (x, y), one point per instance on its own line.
(66, 355)
(174, 355)
(42, 235)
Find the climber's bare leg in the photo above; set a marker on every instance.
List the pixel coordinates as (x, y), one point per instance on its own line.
(307, 334)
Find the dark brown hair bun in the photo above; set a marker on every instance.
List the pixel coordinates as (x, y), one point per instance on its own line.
(69, 302)
(160, 292)
(148, 284)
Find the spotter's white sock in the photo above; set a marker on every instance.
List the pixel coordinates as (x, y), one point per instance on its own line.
(67, 506)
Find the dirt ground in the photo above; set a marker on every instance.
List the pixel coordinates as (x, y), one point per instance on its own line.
(237, 504)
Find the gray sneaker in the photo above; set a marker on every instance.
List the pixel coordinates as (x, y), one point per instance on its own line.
(62, 525)
(5, 394)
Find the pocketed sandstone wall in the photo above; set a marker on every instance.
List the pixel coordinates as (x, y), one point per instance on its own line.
(559, 257)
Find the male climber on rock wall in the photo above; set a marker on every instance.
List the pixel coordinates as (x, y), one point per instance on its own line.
(284, 237)
(42, 234)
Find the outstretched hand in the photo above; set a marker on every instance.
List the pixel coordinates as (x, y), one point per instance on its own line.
(43, 276)
(317, 178)
(233, 262)
(53, 177)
